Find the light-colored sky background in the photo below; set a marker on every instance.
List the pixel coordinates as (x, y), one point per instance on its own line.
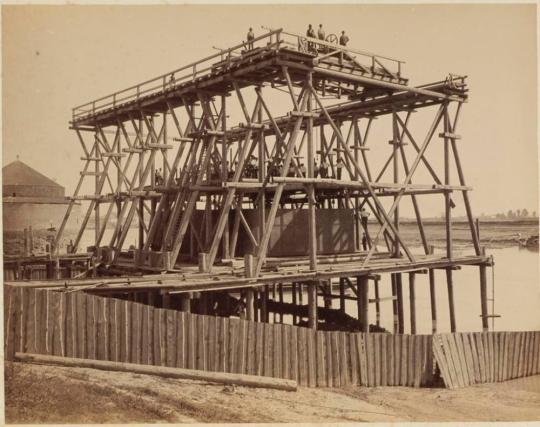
(56, 57)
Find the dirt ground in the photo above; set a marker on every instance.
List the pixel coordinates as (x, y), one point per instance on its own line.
(49, 394)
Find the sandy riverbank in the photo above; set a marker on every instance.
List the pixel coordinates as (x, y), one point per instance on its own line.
(47, 394)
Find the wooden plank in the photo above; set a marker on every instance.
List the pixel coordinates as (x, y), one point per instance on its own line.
(370, 353)
(250, 347)
(489, 338)
(268, 350)
(537, 357)
(181, 335)
(100, 328)
(260, 349)
(342, 351)
(390, 372)
(294, 353)
(441, 360)
(285, 352)
(511, 351)
(81, 302)
(302, 357)
(522, 353)
(124, 334)
(495, 356)
(225, 349)
(404, 369)
(172, 339)
(464, 368)
(466, 344)
(201, 345)
(411, 362)
(452, 360)
(362, 358)
(242, 349)
(396, 339)
(30, 337)
(320, 363)
(534, 369)
(418, 359)
(157, 337)
(515, 359)
(384, 361)
(276, 331)
(528, 355)
(329, 359)
(336, 369)
(218, 324)
(353, 352)
(502, 356)
(150, 334)
(145, 344)
(480, 345)
(10, 346)
(212, 343)
(39, 324)
(191, 341)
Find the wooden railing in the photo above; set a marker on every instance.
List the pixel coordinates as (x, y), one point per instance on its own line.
(274, 39)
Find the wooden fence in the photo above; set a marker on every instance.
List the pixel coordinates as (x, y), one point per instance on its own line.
(74, 324)
(473, 358)
(85, 326)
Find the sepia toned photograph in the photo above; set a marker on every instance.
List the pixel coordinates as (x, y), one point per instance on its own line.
(270, 213)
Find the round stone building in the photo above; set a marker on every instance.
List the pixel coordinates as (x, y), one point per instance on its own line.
(29, 198)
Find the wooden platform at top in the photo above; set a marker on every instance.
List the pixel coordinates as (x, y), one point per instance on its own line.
(187, 278)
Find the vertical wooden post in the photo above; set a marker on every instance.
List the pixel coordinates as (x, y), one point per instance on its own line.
(399, 292)
(362, 292)
(450, 285)
(166, 300)
(264, 307)
(280, 293)
(312, 305)
(224, 174)
(394, 303)
(185, 302)
(396, 142)
(412, 302)
(250, 297)
(342, 295)
(97, 188)
(377, 303)
(203, 267)
(433, 296)
(293, 291)
(483, 298)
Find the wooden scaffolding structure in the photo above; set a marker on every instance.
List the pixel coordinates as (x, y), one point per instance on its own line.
(164, 155)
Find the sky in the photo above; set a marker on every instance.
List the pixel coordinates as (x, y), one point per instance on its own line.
(57, 57)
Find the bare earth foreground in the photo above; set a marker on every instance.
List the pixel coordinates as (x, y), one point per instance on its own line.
(50, 394)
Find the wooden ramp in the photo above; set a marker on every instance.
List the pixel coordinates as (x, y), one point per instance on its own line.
(485, 357)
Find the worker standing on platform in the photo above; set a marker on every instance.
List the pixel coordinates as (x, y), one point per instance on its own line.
(303, 170)
(324, 169)
(364, 215)
(310, 33)
(339, 167)
(250, 38)
(343, 39)
(321, 35)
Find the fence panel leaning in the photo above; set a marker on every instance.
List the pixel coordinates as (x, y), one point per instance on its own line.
(473, 358)
(74, 324)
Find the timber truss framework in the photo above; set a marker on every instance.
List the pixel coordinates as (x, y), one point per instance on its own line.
(209, 172)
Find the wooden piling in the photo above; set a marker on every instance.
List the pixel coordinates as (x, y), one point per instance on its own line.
(432, 296)
(377, 303)
(450, 286)
(394, 303)
(312, 305)
(412, 302)
(363, 297)
(399, 294)
(483, 298)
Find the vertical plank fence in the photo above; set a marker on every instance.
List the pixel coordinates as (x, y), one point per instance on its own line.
(75, 324)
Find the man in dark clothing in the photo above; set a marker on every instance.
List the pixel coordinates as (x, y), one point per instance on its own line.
(344, 39)
(310, 33)
(339, 168)
(250, 38)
